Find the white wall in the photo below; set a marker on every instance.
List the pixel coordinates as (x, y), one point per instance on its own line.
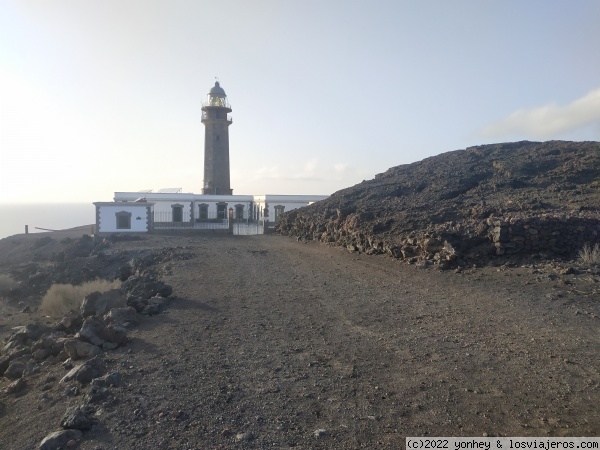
(163, 203)
(289, 202)
(107, 220)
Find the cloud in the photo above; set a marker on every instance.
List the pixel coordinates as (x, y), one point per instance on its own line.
(545, 122)
(340, 168)
(311, 176)
(309, 171)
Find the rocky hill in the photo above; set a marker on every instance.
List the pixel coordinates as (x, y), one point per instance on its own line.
(467, 206)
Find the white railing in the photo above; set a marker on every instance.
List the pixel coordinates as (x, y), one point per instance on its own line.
(167, 220)
(248, 228)
(164, 220)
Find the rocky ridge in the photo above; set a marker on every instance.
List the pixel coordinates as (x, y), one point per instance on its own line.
(507, 201)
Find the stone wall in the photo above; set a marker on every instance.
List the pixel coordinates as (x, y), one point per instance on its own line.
(456, 243)
(559, 234)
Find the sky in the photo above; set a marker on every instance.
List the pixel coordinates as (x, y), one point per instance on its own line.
(105, 96)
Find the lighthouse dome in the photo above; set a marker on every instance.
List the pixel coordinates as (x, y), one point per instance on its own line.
(217, 91)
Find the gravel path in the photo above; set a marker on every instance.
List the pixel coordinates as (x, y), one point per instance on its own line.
(273, 343)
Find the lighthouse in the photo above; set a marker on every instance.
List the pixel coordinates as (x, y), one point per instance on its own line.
(216, 142)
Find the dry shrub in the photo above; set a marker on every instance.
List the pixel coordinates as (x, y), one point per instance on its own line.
(6, 284)
(590, 255)
(62, 298)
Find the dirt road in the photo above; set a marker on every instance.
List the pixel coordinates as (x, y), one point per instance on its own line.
(273, 343)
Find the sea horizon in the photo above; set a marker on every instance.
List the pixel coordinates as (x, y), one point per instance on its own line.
(49, 216)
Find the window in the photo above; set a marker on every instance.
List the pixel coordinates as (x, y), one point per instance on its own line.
(221, 210)
(123, 220)
(278, 211)
(177, 213)
(203, 211)
(239, 212)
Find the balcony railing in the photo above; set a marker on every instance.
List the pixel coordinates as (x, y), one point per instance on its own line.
(228, 119)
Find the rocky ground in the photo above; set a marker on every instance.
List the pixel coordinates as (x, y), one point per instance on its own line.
(270, 342)
(467, 206)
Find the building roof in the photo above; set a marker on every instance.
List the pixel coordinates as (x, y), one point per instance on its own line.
(217, 91)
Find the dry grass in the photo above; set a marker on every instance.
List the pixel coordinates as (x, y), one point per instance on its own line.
(62, 298)
(6, 284)
(590, 255)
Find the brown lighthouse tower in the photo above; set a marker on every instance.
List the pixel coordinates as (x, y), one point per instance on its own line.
(216, 142)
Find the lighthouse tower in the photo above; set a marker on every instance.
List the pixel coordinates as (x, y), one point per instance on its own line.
(216, 142)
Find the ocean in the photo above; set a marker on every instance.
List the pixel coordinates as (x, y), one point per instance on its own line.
(53, 216)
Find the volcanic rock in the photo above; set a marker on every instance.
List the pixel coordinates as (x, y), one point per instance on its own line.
(512, 199)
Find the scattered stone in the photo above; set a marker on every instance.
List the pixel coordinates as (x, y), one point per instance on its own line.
(165, 291)
(17, 352)
(146, 286)
(4, 363)
(71, 391)
(31, 369)
(40, 354)
(111, 379)
(96, 394)
(32, 331)
(151, 310)
(138, 303)
(158, 301)
(93, 331)
(59, 439)
(69, 323)
(16, 386)
(123, 316)
(77, 349)
(321, 433)
(86, 372)
(244, 437)
(96, 332)
(76, 418)
(15, 370)
(68, 364)
(99, 303)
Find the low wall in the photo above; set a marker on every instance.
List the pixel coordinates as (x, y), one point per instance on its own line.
(560, 235)
(449, 243)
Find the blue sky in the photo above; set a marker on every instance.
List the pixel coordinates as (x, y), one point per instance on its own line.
(104, 96)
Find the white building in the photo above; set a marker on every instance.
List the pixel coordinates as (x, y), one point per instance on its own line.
(215, 208)
(119, 217)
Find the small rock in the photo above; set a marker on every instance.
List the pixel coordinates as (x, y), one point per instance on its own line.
(67, 364)
(99, 303)
(123, 316)
(16, 386)
(69, 322)
(41, 354)
(75, 418)
(59, 439)
(96, 394)
(151, 310)
(165, 291)
(77, 349)
(71, 391)
(15, 370)
(244, 437)
(86, 372)
(138, 303)
(4, 363)
(320, 433)
(112, 379)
